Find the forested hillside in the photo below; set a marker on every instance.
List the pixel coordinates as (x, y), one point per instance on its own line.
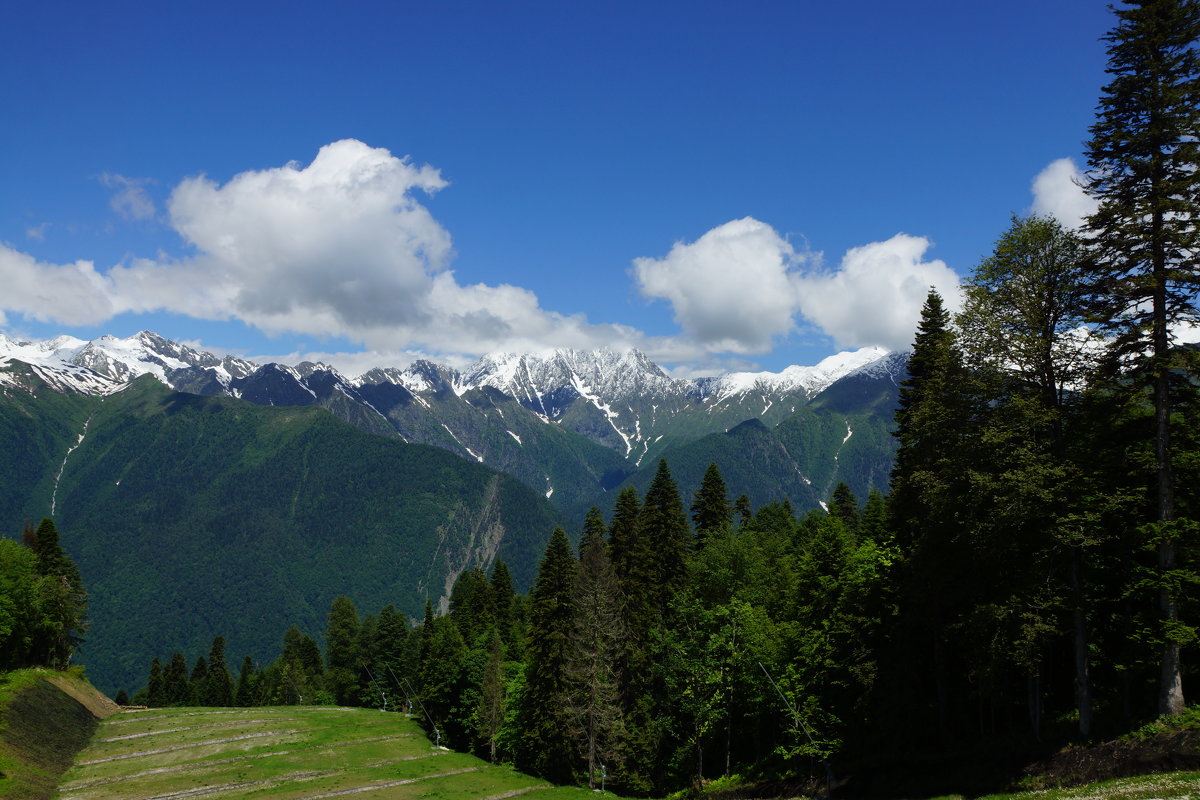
(179, 507)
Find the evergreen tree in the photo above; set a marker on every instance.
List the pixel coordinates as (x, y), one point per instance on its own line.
(711, 511)
(665, 526)
(742, 508)
(593, 529)
(199, 683)
(62, 599)
(1144, 159)
(471, 605)
(930, 514)
(154, 686)
(176, 689)
(220, 684)
(247, 684)
(489, 716)
(546, 748)
(342, 655)
(595, 657)
(843, 506)
(503, 600)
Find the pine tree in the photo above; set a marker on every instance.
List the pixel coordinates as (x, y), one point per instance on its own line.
(711, 511)
(929, 515)
(546, 748)
(1144, 159)
(246, 685)
(199, 683)
(471, 605)
(220, 683)
(342, 656)
(843, 506)
(594, 666)
(176, 689)
(489, 716)
(154, 686)
(742, 508)
(593, 529)
(665, 526)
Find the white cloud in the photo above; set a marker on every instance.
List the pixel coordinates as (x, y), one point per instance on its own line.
(876, 294)
(338, 248)
(69, 294)
(733, 289)
(131, 200)
(37, 232)
(1058, 192)
(741, 284)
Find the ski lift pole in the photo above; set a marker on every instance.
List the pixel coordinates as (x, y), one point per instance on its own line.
(800, 724)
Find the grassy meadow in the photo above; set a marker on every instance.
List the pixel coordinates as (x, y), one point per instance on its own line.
(283, 752)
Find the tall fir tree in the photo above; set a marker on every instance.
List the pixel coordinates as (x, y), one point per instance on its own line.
(220, 683)
(843, 506)
(599, 641)
(711, 511)
(155, 696)
(546, 748)
(176, 690)
(665, 526)
(1144, 169)
(342, 656)
(593, 529)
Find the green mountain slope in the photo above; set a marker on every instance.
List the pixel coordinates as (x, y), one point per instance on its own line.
(843, 434)
(195, 516)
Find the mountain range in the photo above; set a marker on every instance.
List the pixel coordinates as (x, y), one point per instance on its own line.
(219, 491)
(569, 424)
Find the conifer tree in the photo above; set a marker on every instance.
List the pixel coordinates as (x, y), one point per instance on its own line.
(711, 510)
(665, 526)
(843, 506)
(154, 686)
(1144, 160)
(504, 605)
(593, 528)
(246, 685)
(220, 684)
(471, 605)
(198, 685)
(546, 748)
(595, 657)
(489, 716)
(342, 656)
(176, 690)
(742, 508)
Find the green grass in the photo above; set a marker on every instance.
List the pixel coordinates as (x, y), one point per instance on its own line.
(287, 752)
(41, 729)
(1142, 787)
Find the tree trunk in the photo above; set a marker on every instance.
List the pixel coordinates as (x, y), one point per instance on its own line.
(1083, 684)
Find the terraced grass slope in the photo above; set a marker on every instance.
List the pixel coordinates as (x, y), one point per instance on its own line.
(283, 752)
(45, 718)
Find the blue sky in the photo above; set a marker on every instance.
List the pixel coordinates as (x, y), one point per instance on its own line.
(725, 185)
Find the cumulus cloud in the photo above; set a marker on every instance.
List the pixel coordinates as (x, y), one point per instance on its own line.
(741, 285)
(1058, 192)
(875, 296)
(69, 294)
(733, 289)
(344, 248)
(131, 200)
(341, 247)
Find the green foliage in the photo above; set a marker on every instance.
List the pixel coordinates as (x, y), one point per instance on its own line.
(166, 487)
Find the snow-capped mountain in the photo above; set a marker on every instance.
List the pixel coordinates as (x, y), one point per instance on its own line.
(521, 413)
